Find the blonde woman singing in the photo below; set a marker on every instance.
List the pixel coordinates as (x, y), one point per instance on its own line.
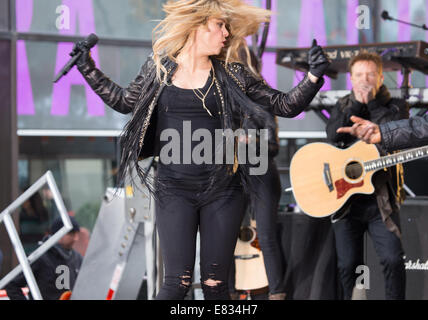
(194, 80)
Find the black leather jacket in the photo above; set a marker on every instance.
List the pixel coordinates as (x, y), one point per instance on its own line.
(404, 134)
(245, 101)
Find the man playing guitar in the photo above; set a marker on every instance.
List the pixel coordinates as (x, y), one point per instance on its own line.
(377, 213)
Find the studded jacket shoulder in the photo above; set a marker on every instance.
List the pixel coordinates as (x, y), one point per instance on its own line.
(288, 105)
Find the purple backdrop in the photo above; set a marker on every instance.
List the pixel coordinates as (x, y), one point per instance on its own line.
(82, 19)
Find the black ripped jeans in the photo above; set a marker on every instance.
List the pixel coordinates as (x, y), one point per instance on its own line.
(179, 214)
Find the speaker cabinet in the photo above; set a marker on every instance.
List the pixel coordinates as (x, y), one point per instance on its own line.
(416, 175)
(414, 229)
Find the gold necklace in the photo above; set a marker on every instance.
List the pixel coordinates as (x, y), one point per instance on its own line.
(198, 93)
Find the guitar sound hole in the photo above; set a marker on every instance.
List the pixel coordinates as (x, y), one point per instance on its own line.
(354, 170)
(246, 234)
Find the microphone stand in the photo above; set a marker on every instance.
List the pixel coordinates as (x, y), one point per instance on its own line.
(405, 86)
(386, 16)
(261, 49)
(406, 71)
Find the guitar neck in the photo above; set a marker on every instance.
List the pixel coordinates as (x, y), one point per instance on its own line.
(397, 158)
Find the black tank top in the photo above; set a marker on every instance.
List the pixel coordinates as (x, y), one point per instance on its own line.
(178, 108)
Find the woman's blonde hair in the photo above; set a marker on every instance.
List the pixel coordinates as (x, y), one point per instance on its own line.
(185, 16)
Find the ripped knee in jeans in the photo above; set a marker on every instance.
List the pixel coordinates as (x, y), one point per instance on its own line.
(186, 279)
(211, 282)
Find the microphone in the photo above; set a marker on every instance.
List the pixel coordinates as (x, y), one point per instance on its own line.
(89, 43)
(385, 15)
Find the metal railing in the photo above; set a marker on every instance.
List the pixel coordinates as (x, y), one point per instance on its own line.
(24, 261)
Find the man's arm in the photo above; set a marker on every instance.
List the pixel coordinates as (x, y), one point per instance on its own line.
(404, 134)
(341, 118)
(13, 289)
(395, 135)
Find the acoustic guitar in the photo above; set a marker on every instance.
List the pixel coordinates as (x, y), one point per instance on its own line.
(324, 177)
(250, 272)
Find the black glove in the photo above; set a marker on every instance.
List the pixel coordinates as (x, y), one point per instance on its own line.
(85, 59)
(317, 60)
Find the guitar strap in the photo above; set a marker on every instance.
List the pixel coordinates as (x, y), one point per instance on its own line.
(401, 195)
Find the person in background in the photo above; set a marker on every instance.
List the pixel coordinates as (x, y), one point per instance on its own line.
(60, 262)
(33, 222)
(377, 213)
(265, 212)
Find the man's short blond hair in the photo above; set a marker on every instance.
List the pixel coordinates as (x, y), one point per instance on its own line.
(365, 55)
